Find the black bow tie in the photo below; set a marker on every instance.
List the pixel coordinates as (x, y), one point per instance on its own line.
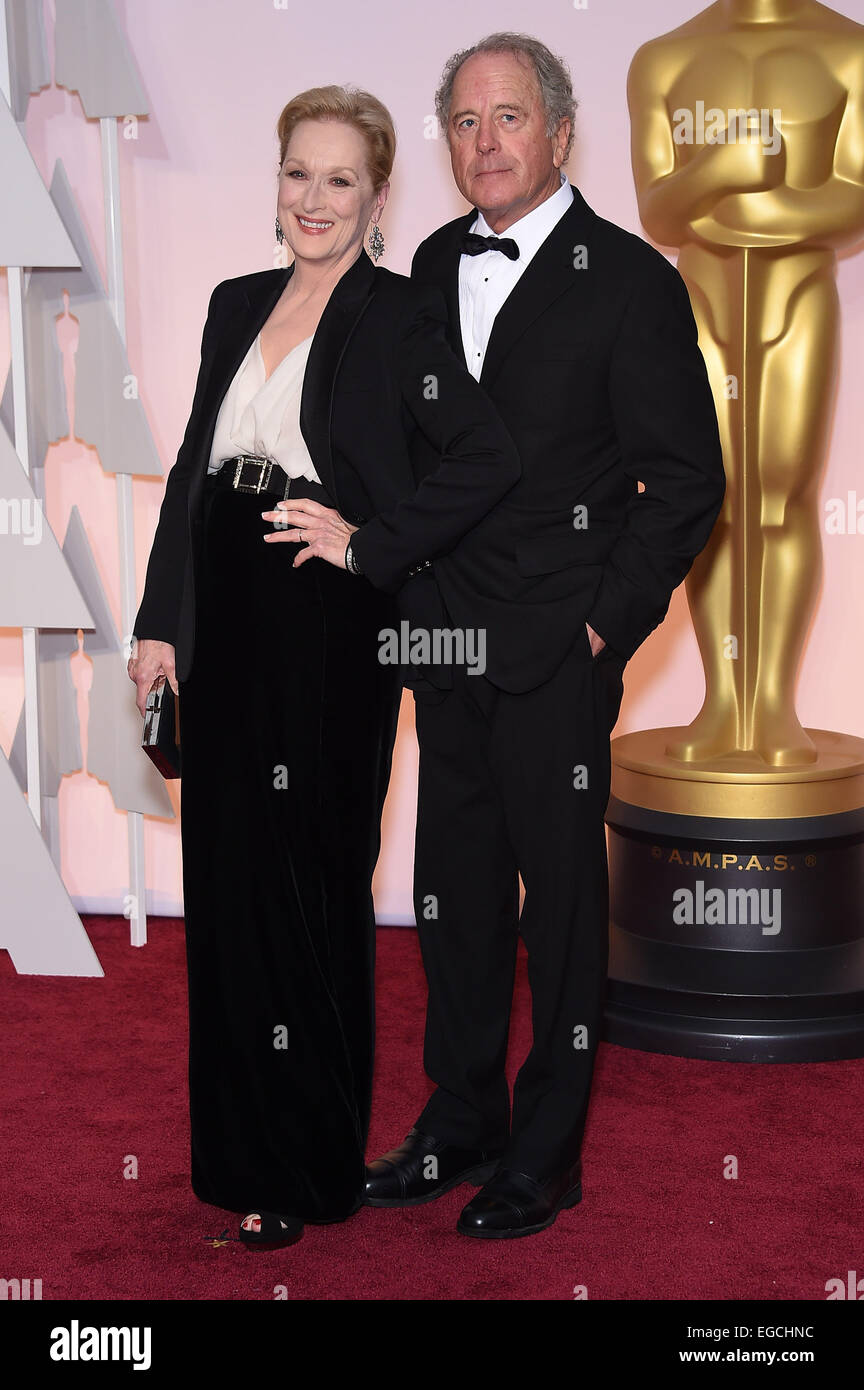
(474, 245)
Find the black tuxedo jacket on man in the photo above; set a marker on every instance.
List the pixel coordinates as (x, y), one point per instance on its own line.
(380, 376)
(594, 367)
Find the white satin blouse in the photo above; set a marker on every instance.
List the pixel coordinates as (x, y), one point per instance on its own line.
(262, 416)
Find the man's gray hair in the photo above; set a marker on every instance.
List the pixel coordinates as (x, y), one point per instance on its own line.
(552, 74)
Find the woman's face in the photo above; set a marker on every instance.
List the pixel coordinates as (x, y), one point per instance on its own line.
(326, 198)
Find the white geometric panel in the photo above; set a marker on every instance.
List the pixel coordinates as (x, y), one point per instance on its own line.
(59, 735)
(47, 417)
(36, 587)
(89, 279)
(108, 412)
(109, 415)
(92, 57)
(39, 927)
(31, 232)
(28, 52)
(114, 726)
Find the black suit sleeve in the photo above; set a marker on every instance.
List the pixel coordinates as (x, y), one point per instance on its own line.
(667, 432)
(478, 459)
(159, 613)
(418, 263)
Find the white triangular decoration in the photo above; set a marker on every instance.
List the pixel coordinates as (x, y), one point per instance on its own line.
(36, 586)
(31, 232)
(109, 414)
(114, 726)
(39, 927)
(59, 735)
(47, 418)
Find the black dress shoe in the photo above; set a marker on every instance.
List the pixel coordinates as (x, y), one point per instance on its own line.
(401, 1178)
(514, 1204)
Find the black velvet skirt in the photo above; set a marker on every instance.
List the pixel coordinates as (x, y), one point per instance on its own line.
(287, 724)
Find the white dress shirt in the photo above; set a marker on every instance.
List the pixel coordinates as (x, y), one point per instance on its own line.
(259, 416)
(486, 280)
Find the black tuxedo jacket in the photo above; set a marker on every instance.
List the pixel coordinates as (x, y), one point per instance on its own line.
(594, 367)
(380, 375)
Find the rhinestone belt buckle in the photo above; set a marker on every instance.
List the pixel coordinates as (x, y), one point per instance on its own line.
(266, 467)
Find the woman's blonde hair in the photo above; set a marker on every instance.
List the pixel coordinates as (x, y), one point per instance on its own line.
(359, 109)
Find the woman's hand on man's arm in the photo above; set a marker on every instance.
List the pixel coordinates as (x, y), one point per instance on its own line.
(321, 530)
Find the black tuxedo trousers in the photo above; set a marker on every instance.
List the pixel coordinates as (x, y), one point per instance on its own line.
(509, 783)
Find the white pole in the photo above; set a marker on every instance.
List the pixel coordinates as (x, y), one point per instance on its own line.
(22, 448)
(125, 518)
(15, 277)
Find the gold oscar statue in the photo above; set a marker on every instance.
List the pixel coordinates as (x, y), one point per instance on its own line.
(736, 845)
(748, 154)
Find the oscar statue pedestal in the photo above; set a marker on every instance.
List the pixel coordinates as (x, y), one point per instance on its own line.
(737, 903)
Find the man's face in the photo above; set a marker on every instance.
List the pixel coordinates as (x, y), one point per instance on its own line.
(503, 160)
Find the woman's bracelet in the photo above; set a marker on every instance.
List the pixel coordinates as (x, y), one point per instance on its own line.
(351, 564)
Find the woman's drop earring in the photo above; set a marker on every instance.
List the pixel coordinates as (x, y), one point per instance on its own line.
(376, 242)
(280, 235)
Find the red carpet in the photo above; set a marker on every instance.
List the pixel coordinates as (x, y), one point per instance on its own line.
(94, 1080)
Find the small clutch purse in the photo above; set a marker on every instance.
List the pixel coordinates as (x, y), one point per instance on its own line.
(161, 740)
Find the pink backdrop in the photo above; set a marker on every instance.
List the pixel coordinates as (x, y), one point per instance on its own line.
(198, 206)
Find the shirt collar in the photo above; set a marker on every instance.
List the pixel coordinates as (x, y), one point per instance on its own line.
(531, 231)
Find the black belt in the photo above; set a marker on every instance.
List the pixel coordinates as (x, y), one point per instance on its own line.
(252, 473)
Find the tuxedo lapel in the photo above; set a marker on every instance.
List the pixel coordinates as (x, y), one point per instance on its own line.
(549, 275)
(341, 315)
(551, 272)
(237, 337)
(234, 341)
(248, 316)
(451, 289)
(445, 273)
